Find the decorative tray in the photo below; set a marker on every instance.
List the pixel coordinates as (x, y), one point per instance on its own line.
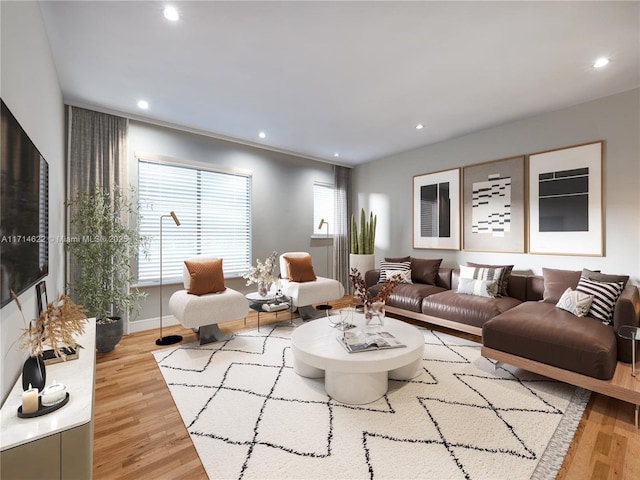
(42, 410)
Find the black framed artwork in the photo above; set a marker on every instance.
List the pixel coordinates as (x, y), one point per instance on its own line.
(565, 201)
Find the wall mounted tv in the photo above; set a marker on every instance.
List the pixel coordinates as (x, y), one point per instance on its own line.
(24, 209)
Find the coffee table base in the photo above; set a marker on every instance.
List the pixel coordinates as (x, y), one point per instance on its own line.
(357, 388)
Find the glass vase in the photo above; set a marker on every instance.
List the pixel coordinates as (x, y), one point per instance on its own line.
(263, 288)
(374, 314)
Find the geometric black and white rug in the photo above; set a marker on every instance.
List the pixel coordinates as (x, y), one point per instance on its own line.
(250, 416)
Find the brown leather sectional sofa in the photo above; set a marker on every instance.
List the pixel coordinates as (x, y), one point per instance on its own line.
(520, 323)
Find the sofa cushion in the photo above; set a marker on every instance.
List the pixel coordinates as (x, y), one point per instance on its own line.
(605, 296)
(300, 269)
(408, 296)
(467, 309)
(385, 266)
(205, 275)
(491, 274)
(557, 281)
(425, 270)
(506, 273)
(575, 302)
(397, 259)
(482, 288)
(400, 276)
(604, 277)
(539, 331)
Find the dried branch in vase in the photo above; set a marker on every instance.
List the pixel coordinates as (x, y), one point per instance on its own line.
(363, 293)
(57, 327)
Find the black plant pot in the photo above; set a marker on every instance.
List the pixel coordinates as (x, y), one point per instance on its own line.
(34, 373)
(109, 334)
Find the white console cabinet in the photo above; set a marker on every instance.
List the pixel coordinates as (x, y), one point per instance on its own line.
(58, 445)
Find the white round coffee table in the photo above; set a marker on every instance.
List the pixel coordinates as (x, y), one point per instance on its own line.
(355, 378)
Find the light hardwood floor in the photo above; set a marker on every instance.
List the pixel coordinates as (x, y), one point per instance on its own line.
(138, 433)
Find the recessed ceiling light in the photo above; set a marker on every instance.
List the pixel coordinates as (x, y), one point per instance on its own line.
(262, 135)
(143, 104)
(601, 62)
(419, 126)
(170, 13)
(336, 154)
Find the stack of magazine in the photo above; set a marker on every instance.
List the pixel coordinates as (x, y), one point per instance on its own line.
(359, 341)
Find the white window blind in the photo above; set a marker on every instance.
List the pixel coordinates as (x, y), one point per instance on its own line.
(323, 207)
(214, 209)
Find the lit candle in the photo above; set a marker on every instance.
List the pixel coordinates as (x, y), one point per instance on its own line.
(30, 400)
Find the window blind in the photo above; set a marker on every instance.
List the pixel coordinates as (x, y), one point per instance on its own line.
(323, 207)
(214, 209)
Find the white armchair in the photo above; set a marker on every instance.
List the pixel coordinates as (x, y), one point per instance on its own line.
(203, 312)
(305, 294)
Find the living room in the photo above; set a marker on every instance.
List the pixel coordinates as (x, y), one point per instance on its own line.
(31, 88)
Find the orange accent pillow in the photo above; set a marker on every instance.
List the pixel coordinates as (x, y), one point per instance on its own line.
(300, 269)
(206, 276)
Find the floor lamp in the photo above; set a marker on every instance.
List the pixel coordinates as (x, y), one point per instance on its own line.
(169, 339)
(326, 306)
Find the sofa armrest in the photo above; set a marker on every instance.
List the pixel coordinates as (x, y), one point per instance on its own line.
(444, 277)
(626, 312)
(371, 277)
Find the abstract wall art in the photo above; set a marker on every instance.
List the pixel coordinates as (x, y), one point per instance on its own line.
(436, 210)
(565, 201)
(494, 206)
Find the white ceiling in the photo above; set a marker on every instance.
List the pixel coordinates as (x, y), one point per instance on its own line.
(347, 77)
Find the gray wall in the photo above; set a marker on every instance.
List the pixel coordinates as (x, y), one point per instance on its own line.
(282, 197)
(614, 119)
(31, 90)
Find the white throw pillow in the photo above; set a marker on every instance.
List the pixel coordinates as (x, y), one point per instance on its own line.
(575, 302)
(400, 276)
(386, 266)
(481, 288)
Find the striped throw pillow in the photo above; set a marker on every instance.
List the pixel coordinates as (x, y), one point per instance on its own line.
(492, 274)
(605, 296)
(384, 266)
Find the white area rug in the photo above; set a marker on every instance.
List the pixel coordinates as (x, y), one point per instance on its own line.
(250, 416)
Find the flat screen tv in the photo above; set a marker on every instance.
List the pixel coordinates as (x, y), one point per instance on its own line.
(24, 209)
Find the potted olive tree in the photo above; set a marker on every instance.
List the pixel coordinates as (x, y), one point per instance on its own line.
(102, 248)
(362, 242)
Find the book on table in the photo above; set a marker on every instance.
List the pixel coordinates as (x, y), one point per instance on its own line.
(355, 341)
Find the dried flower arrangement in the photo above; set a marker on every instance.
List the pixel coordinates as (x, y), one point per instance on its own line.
(364, 295)
(55, 328)
(262, 272)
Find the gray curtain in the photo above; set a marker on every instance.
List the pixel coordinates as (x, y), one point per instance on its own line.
(96, 155)
(97, 150)
(342, 182)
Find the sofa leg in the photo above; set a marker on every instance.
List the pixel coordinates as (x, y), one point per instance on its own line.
(496, 366)
(212, 333)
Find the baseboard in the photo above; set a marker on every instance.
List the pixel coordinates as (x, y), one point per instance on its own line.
(151, 323)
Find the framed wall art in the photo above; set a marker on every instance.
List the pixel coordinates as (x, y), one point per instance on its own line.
(436, 210)
(565, 201)
(494, 206)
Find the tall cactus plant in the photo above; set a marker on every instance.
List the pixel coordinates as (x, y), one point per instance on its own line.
(362, 242)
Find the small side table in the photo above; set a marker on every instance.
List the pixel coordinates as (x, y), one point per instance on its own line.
(632, 333)
(269, 303)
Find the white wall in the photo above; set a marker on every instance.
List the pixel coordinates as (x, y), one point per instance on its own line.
(614, 119)
(29, 86)
(282, 215)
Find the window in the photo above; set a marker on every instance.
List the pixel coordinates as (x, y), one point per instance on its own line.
(323, 201)
(214, 209)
